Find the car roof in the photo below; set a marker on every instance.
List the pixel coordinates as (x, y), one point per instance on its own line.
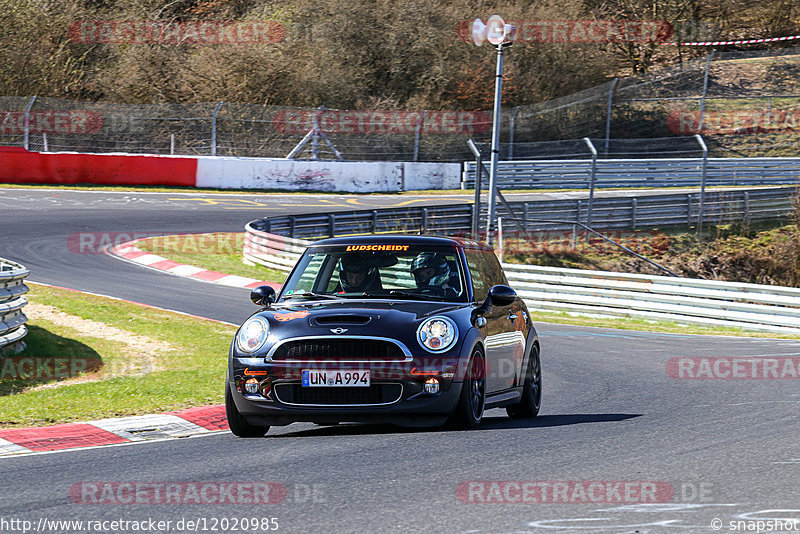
(392, 239)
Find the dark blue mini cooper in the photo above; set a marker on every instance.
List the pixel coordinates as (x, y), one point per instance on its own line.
(411, 330)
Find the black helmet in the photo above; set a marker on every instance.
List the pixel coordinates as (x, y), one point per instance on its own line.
(355, 264)
(434, 260)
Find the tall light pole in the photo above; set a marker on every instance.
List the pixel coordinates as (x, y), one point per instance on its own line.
(500, 34)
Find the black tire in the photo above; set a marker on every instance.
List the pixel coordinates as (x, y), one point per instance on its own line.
(236, 421)
(471, 403)
(532, 392)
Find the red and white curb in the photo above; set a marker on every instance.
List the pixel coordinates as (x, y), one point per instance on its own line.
(128, 251)
(181, 423)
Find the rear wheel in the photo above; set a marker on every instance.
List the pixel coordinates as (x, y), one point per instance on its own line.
(236, 421)
(532, 392)
(469, 411)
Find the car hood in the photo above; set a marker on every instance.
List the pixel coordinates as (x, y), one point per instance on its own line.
(369, 317)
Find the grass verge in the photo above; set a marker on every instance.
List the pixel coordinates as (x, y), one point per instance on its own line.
(187, 358)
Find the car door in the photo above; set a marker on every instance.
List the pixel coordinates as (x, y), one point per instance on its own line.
(501, 337)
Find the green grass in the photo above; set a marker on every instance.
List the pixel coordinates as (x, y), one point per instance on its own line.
(190, 375)
(221, 252)
(647, 325)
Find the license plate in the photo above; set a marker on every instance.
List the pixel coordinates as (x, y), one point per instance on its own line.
(315, 378)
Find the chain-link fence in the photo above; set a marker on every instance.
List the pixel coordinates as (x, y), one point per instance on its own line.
(744, 104)
(230, 129)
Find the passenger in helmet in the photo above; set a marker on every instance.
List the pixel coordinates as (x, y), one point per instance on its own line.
(357, 275)
(431, 269)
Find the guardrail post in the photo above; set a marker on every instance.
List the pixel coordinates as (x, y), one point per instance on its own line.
(331, 224)
(702, 184)
(634, 206)
(374, 221)
(214, 129)
(689, 211)
(291, 226)
(424, 220)
(500, 239)
(592, 177)
(172, 143)
(44, 142)
(27, 123)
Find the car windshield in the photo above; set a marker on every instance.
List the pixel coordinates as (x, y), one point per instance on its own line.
(385, 270)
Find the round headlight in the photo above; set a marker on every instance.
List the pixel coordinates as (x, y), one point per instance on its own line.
(437, 334)
(252, 335)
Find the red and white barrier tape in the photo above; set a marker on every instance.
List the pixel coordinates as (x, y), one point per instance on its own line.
(744, 41)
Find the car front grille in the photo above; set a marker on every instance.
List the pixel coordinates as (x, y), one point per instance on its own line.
(339, 349)
(376, 394)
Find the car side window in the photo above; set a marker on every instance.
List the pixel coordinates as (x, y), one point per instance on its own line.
(486, 272)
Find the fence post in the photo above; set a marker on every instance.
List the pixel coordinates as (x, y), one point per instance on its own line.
(704, 148)
(476, 206)
(746, 217)
(172, 144)
(592, 176)
(214, 129)
(705, 90)
(417, 134)
(500, 239)
(511, 128)
(27, 123)
(44, 142)
(634, 207)
(608, 111)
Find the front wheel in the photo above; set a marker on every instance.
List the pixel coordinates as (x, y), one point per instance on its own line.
(237, 422)
(532, 392)
(469, 411)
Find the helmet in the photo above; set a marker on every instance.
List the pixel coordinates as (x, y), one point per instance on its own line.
(350, 267)
(440, 273)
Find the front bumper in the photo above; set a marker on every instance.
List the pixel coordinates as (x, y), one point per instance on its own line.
(396, 393)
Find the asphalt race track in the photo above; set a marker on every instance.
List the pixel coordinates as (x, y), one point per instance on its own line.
(613, 420)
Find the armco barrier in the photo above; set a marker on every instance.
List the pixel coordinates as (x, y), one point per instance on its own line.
(657, 172)
(18, 166)
(629, 212)
(12, 299)
(748, 306)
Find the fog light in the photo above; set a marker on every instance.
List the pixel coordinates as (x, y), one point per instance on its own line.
(431, 386)
(251, 385)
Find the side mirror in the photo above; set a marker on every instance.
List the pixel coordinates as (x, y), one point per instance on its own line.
(262, 295)
(502, 295)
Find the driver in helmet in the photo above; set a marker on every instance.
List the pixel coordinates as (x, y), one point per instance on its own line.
(356, 275)
(432, 270)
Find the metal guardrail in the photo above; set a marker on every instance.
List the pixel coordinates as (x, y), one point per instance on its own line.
(275, 242)
(12, 299)
(708, 302)
(711, 302)
(619, 213)
(674, 172)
